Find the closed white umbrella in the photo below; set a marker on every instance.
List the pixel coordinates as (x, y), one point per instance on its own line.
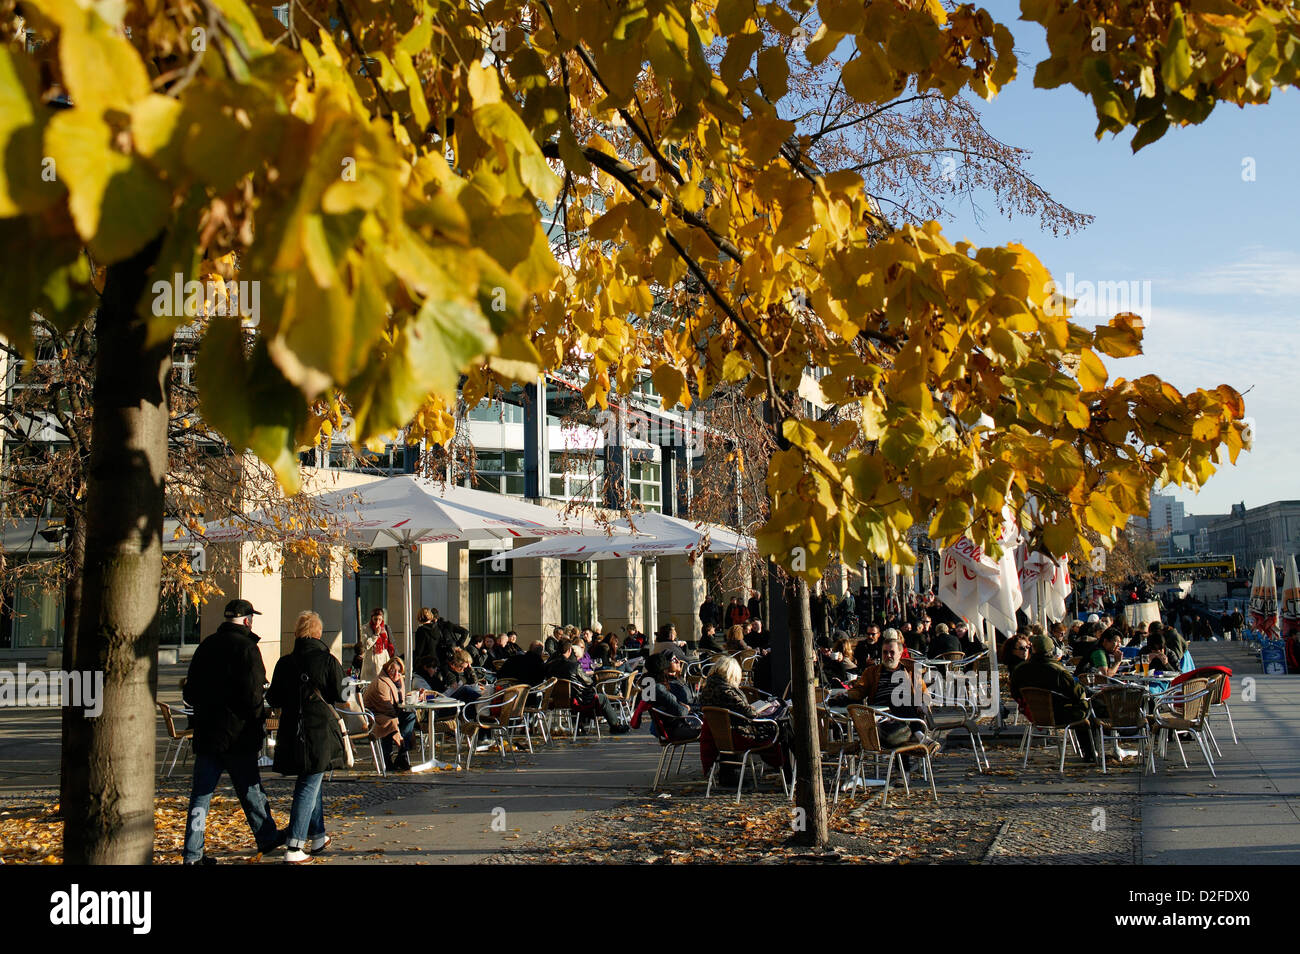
(1290, 599)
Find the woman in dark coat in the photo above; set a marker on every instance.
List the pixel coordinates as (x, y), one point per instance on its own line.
(309, 742)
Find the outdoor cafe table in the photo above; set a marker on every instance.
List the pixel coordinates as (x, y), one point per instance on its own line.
(443, 704)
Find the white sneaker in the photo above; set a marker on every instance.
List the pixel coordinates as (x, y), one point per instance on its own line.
(296, 856)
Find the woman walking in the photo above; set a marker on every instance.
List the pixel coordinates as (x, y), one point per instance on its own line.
(309, 743)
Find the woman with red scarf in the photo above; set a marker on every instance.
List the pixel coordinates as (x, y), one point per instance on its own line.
(376, 646)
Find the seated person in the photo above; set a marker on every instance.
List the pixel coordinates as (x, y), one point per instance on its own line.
(456, 680)
(894, 684)
(1175, 646)
(479, 652)
(512, 644)
(867, 649)
(832, 660)
(679, 722)
(563, 664)
(527, 667)
(944, 641)
(667, 639)
(635, 638)
(722, 690)
(1160, 657)
(395, 726)
(1015, 651)
(675, 669)
(736, 639)
(1103, 656)
(1042, 671)
(499, 647)
(710, 641)
(580, 654)
(758, 637)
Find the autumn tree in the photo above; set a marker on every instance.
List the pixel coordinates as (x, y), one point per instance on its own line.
(381, 169)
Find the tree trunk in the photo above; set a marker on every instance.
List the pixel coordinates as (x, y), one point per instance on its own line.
(809, 793)
(109, 785)
(75, 559)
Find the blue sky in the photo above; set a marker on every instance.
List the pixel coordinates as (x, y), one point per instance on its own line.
(1221, 254)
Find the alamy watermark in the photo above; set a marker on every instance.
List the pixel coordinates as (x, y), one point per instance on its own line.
(1089, 299)
(53, 687)
(214, 299)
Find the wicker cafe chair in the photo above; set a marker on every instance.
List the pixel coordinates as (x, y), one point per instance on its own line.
(619, 689)
(1120, 715)
(493, 716)
(181, 740)
(538, 707)
(566, 704)
(1043, 723)
(867, 730)
(841, 750)
(1184, 709)
(668, 746)
(722, 723)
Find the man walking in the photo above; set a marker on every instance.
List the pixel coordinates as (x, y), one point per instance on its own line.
(224, 686)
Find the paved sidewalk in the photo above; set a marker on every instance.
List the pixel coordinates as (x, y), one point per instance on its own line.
(1250, 814)
(465, 817)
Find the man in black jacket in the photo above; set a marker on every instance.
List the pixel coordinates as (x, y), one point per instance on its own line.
(224, 686)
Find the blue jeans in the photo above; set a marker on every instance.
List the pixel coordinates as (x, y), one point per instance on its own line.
(242, 768)
(307, 818)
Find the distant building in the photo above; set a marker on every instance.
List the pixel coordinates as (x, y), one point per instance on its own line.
(1258, 533)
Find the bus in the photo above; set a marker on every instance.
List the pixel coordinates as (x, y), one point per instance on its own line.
(1202, 567)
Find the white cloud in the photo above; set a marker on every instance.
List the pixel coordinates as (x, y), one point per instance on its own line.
(1257, 272)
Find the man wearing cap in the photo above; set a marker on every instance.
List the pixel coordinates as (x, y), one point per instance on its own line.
(224, 686)
(1042, 671)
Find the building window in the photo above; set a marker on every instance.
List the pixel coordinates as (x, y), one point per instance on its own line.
(577, 592)
(577, 477)
(178, 623)
(491, 594)
(499, 472)
(34, 618)
(496, 412)
(644, 484)
(372, 584)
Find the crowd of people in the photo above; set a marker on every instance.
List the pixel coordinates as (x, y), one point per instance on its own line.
(862, 657)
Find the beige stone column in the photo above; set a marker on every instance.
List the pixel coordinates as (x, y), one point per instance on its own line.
(327, 599)
(431, 568)
(618, 594)
(536, 596)
(681, 591)
(457, 601)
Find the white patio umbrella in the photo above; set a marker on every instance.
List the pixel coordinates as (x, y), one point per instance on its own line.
(645, 535)
(648, 535)
(407, 510)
